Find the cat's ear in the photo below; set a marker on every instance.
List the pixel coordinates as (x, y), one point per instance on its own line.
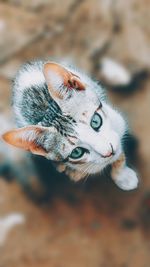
(28, 138)
(60, 81)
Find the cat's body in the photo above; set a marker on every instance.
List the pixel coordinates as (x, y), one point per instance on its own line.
(66, 118)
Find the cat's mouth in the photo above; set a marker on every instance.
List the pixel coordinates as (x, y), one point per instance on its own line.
(112, 155)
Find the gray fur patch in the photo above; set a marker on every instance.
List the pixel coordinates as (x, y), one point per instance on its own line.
(38, 107)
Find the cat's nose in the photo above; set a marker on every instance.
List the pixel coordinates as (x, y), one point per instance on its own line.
(110, 152)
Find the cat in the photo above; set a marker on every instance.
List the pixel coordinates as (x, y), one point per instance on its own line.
(63, 115)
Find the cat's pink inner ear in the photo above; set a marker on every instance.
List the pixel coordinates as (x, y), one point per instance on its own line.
(26, 138)
(55, 74)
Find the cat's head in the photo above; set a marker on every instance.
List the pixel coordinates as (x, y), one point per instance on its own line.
(85, 134)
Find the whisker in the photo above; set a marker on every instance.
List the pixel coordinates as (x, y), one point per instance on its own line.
(86, 169)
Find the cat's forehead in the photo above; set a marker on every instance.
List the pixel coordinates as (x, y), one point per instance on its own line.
(82, 103)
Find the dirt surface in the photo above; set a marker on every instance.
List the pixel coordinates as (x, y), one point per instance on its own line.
(93, 223)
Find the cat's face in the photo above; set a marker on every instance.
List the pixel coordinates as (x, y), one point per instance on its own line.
(96, 138)
(85, 136)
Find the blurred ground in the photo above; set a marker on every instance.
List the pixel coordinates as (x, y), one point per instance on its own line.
(92, 224)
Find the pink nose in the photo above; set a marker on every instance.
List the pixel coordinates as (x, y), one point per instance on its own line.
(109, 153)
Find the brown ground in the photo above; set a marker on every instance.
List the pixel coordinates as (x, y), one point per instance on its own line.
(93, 224)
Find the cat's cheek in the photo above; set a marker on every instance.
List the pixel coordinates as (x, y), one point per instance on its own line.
(74, 175)
(119, 124)
(116, 120)
(60, 168)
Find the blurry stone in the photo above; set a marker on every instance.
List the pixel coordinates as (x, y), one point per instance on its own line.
(130, 47)
(88, 30)
(32, 4)
(134, 11)
(17, 29)
(54, 11)
(131, 37)
(113, 73)
(50, 11)
(76, 32)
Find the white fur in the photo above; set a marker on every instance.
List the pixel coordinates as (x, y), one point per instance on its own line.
(114, 73)
(20, 118)
(54, 79)
(126, 179)
(28, 135)
(31, 77)
(117, 121)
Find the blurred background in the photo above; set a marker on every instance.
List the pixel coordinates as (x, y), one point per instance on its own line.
(93, 223)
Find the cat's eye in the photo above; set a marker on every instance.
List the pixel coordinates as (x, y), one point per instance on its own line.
(96, 121)
(77, 153)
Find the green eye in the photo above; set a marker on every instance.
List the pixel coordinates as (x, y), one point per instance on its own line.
(96, 121)
(77, 153)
